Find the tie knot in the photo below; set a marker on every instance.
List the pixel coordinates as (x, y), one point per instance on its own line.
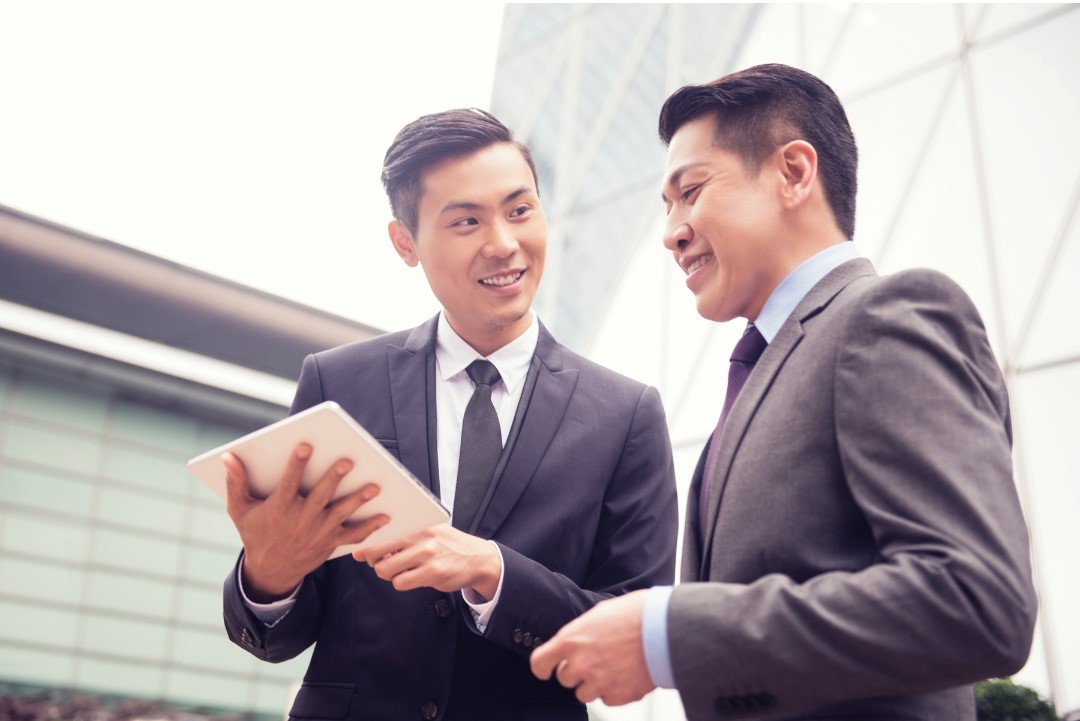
(750, 346)
(482, 372)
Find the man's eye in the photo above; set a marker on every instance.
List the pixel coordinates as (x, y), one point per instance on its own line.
(465, 221)
(689, 191)
(520, 211)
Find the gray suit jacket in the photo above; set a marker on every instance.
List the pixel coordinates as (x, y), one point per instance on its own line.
(583, 508)
(865, 555)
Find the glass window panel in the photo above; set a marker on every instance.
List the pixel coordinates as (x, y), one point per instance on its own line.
(275, 696)
(940, 224)
(822, 32)
(121, 592)
(52, 447)
(209, 565)
(37, 666)
(537, 21)
(200, 607)
(1045, 423)
(135, 552)
(48, 491)
(41, 580)
(291, 670)
(186, 686)
(35, 623)
(141, 510)
(51, 398)
(124, 678)
(1012, 81)
(1048, 338)
(885, 33)
(209, 649)
(161, 471)
(155, 426)
(202, 495)
(218, 434)
(891, 127)
(1004, 17)
(111, 635)
(211, 525)
(42, 536)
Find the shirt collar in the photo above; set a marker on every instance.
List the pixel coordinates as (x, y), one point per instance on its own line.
(512, 360)
(792, 289)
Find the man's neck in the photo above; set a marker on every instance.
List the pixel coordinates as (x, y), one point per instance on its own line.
(486, 344)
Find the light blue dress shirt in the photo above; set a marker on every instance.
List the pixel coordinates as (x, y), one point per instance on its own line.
(781, 303)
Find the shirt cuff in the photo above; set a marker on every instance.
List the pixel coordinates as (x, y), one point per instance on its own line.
(480, 607)
(654, 633)
(269, 613)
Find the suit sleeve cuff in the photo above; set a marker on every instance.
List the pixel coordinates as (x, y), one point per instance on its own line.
(269, 613)
(480, 607)
(654, 632)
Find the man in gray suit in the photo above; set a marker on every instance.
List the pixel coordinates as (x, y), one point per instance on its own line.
(854, 547)
(578, 506)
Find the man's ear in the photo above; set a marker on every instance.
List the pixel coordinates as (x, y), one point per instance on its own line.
(799, 170)
(403, 242)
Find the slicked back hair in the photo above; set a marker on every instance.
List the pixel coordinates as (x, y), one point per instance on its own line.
(761, 108)
(428, 141)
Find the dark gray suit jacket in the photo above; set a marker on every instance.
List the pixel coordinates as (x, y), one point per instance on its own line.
(583, 507)
(865, 552)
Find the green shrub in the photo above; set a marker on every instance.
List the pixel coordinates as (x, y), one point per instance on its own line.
(1003, 700)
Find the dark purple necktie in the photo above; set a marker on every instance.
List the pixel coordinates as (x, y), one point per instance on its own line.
(481, 444)
(743, 358)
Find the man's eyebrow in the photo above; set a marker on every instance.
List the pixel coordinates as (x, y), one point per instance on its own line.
(676, 175)
(673, 180)
(511, 197)
(462, 205)
(473, 206)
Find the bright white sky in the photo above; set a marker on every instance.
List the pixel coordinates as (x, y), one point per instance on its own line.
(244, 139)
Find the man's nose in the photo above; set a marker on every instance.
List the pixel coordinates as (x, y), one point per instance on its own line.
(677, 235)
(501, 242)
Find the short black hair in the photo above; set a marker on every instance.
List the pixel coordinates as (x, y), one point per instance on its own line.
(431, 139)
(759, 109)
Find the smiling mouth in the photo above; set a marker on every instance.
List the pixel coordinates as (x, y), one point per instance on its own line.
(703, 260)
(498, 281)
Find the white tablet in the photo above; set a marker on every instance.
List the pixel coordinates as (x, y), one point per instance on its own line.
(332, 434)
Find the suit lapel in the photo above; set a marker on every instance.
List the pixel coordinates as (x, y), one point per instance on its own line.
(690, 565)
(412, 372)
(759, 382)
(538, 418)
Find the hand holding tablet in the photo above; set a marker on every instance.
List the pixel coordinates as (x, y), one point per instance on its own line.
(332, 436)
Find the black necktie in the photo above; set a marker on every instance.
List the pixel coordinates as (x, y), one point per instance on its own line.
(743, 358)
(481, 444)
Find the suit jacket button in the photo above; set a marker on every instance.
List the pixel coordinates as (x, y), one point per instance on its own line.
(518, 635)
(526, 639)
(537, 641)
(429, 710)
(442, 608)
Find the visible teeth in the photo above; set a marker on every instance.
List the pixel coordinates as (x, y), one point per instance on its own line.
(502, 279)
(698, 263)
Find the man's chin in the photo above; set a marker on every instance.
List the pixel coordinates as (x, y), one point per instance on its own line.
(709, 311)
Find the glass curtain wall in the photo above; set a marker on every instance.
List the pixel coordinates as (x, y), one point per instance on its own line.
(112, 556)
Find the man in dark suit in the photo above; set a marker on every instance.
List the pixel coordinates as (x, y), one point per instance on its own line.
(854, 547)
(580, 505)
